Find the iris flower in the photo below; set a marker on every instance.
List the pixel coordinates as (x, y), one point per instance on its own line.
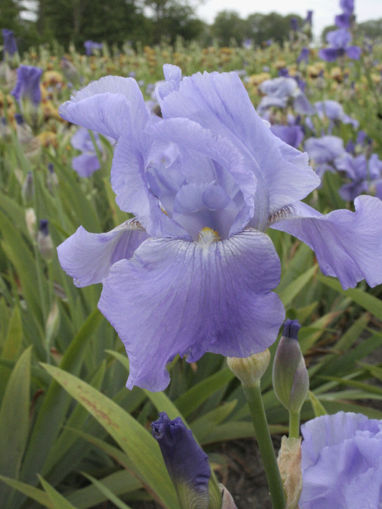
(194, 272)
(324, 151)
(279, 92)
(339, 41)
(86, 163)
(335, 112)
(10, 45)
(28, 84)
(342, 462)
(91, 46)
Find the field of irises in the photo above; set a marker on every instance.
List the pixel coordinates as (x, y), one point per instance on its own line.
(221, 223)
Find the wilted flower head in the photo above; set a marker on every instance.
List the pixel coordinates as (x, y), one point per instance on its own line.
(194, 272)
(91, 46)
(187, 464)
(28, 84)
(342, 462)
(10, 45)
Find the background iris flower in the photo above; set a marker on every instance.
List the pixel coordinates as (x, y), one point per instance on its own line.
(86, 163)
(28, 84)
(341, 462)
(195, 272)
(10, 44)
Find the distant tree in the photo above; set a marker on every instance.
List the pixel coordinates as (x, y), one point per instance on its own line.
(113, 21)
(10, 14)
(173, 18)
(258, 27)
(371, 29)
(262, 27)
(228, 25)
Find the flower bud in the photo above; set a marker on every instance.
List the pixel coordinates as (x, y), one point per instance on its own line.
(249, 370)
(187, 464)
(30, 220)
(290, 376)
(28, 187)
(44, 240)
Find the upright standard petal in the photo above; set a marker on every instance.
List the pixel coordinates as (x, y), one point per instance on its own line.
(113, 105)
(348, 245)
(187, 298)
(88, 257)
(220, 102)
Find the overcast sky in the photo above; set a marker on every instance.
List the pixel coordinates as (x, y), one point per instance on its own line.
(324, 10)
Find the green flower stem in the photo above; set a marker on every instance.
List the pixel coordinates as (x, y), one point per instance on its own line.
(294, 424)
(256, 406)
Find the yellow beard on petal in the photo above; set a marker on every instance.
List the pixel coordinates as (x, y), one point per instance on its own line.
(208, 236)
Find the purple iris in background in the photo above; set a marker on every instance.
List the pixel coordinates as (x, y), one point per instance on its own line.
(355, 168)
(335, 112)
(303, 56)
(323, 151)
(91, 46)
(294, 24)
(343, 20)
(10, 45)
(309, 18)
(186, 463)
(339, 41)
(194, 272)
(341, 462)
(28, 84)
(86, 163)
(347, 6)
(279, 91)
(291, 134)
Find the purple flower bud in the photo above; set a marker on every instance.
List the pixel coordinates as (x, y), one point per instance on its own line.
(19, 119)
(294, 24)
(28, 84)
(290, 376)
(10, 45)
(186, 462)
(44, 240)
(303, 56)
(309, 18)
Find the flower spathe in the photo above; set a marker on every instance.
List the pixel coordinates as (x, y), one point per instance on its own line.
(204, 182)
(342, 462)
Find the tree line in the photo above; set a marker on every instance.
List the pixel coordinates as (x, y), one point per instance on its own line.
(144, 21)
